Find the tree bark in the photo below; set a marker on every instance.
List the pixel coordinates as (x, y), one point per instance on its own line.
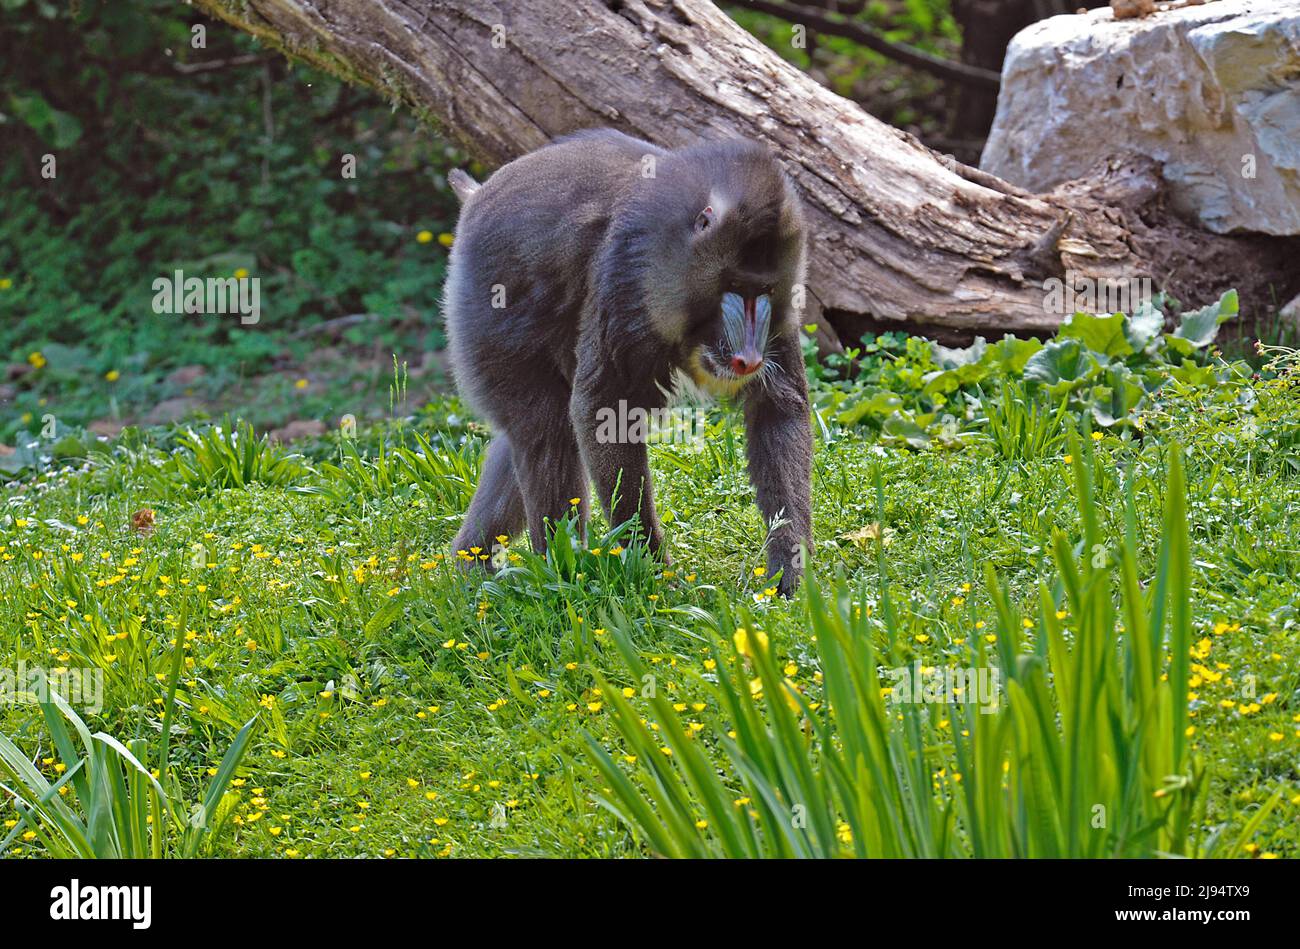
(901, 238)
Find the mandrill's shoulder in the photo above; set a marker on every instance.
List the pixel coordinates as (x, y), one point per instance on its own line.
(587, 172)
(609, 141)
(605, 158)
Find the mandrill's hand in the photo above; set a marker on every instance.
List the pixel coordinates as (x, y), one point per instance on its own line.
(780, 463)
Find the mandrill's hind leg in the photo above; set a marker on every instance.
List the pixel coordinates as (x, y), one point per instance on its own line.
(547, 465)
(551, 476)
(498, 505)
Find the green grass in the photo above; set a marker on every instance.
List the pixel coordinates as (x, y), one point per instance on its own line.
(1083, 755)
(405, 709)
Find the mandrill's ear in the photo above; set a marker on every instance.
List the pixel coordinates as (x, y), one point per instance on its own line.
(791, 210)
(704, 220)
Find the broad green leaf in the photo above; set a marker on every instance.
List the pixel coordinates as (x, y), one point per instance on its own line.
(1199, 327)
(1061, 361)
(1101, 334)
(1144, 325)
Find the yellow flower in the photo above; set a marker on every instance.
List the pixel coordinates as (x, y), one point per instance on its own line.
(241, 273)
(112, 375)
(788, 694)
(744, 646)
(1068, 459)
(301, 384)
(6, 283)
(424, 237)
(445, 239)
(1097, 436)
(36, 359)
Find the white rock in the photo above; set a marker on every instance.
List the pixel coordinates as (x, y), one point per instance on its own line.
(1208, 90)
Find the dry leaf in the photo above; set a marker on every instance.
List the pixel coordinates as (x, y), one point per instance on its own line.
(870, 532)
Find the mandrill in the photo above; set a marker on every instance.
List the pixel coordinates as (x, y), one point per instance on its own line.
(590, 273)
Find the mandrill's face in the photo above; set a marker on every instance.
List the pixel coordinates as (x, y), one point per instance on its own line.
(723, 234)
(746, 280)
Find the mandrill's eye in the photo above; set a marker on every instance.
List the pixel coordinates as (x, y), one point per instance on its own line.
(704, 220)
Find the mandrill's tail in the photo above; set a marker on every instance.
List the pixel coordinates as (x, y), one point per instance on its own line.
(462, 184)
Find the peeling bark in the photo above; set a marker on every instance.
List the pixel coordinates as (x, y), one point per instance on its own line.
(901, 237)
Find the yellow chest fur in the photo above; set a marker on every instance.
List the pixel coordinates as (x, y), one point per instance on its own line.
(720, 388)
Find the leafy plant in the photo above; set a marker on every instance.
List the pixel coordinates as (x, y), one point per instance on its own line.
(1109, 366)
(1086, 754)
(106, 803)
(1023, 428)
(231, 456)
(444, 475)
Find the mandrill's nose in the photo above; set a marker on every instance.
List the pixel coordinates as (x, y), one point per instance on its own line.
(745, 322)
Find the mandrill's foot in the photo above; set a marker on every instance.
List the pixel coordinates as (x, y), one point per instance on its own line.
(470, 554)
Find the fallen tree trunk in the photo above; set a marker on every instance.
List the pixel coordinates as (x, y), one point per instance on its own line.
(901, 237)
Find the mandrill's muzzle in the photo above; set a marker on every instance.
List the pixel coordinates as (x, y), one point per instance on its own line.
(746, 321)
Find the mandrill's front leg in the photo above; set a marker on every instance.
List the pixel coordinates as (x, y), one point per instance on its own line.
(780, 458)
